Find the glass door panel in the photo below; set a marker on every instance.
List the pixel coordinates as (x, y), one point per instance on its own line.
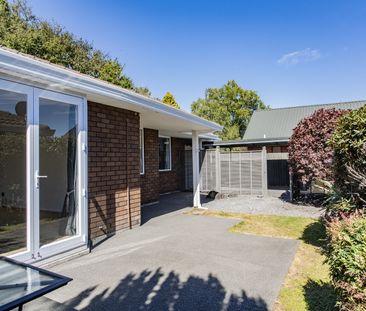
(13, 171)
(57, 175)
(42, 211)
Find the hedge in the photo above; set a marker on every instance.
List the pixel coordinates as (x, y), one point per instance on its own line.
(346, 256)
(349, 164)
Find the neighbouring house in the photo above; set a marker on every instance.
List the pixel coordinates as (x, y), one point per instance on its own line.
(272, 129)
(79, 156)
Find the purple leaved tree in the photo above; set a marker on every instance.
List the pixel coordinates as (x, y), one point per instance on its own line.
(310, 157)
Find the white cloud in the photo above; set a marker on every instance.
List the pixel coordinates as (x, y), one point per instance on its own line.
(293, 58)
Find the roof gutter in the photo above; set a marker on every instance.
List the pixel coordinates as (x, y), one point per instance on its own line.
(34, 68)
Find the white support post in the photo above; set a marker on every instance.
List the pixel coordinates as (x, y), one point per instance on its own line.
(218, 169)
(196, 169)
(264, 171)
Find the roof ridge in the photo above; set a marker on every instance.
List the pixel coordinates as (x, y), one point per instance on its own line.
(314, 105)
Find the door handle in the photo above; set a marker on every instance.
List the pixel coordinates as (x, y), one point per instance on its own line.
(38, 177)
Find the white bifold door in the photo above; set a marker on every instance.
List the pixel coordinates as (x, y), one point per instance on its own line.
(42, 172)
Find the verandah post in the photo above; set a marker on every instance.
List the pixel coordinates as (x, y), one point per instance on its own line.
(217, 169)
(196, 169)
(264, 171)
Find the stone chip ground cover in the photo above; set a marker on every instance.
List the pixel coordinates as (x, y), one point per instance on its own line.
(307, 285)
(272, 204)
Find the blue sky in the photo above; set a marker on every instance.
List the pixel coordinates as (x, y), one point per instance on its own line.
(291, 52)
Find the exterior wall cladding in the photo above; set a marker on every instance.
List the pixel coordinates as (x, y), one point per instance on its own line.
(113, 170)
(116, 188)
(270, 148)
(154, 182)
(174, 179)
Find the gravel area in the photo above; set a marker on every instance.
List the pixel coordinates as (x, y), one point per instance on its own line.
(272, 204)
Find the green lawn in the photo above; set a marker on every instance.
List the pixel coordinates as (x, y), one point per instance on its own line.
(307, 285)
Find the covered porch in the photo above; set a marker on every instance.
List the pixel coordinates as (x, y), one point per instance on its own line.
(176, 261)
(176, 140)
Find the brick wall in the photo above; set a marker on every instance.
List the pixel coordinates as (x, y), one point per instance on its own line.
(174, 179)
(113, 170)
(270, 148)
(153, 182)
(150, 179)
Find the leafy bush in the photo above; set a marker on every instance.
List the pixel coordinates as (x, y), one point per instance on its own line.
(340, 207)
(349, 144)
(309, 155)
(336, 205)
(346, 256)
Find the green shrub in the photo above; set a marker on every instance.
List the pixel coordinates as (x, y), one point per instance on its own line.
(336, 205)
(341, 206)
(346, 256)
(349, 163)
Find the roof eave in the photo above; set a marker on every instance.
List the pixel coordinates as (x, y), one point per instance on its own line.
(27, 67)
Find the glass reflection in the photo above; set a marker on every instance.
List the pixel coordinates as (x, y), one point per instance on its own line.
(13, 128)
(57, 160)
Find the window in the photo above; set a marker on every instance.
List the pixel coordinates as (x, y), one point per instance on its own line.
(142, 160)
(164, 153)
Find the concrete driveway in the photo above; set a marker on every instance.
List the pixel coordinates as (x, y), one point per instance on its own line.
(176, 262)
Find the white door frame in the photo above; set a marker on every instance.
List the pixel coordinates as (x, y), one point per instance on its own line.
(34, 251)
(80, 238)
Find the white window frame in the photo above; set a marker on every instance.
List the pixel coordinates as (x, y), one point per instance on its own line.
(170, 154)
(142, 150)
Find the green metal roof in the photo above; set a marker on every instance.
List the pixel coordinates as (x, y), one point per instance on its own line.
(273, 124)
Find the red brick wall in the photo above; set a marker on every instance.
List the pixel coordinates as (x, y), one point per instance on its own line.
(270, 149)
(150, 179)
(154, 182)
(113, 170)
(174, 179)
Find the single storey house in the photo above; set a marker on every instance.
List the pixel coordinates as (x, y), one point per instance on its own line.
(79, 156)
(272, 129)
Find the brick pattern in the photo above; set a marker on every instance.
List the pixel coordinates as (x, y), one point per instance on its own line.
(174, 180)
(270, 148)
(113, 170)
(154, 182)
(150, 179)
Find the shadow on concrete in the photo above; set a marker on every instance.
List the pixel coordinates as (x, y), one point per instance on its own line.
(169, 203)
(154, 290)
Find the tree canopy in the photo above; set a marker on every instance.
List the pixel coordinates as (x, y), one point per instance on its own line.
(24, 32)
(310, 155)
(170, 100)
(230, 106)
(143, 90)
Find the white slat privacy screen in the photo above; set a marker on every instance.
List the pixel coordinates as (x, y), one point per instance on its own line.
(234, 172)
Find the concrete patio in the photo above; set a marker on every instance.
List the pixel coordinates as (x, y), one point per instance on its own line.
(175, 262)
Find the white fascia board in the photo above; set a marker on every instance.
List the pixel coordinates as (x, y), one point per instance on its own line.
(253, 142)
(29, 67)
